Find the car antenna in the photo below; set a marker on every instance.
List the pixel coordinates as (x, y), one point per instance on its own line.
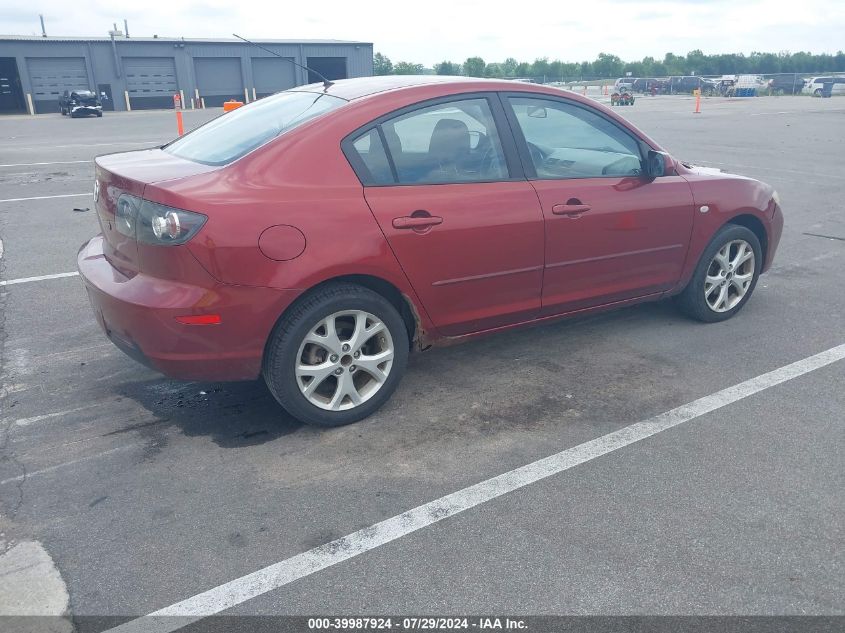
(326, 83)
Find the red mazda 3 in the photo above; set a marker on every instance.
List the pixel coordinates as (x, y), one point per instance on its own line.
(315, 237)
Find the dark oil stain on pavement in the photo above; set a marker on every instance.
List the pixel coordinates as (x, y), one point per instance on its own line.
(232, 415)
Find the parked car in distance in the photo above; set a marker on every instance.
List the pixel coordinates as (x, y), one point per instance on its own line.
(815, 85)
(624, 83)
(786, 84)
(317, 236)
(645, 85)
(689, 83)
(78, 103)
(725, 85)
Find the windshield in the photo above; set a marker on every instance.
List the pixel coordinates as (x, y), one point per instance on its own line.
(236, 133)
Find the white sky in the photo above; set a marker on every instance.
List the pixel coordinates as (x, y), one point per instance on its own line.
(429, 31)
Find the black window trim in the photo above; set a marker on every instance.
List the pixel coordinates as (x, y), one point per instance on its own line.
(504, 130)
(522, 145)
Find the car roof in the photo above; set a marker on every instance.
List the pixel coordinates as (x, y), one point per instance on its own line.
(384, 94)
(359, 87)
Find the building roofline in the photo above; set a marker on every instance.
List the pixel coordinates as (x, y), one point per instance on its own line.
(172, 40)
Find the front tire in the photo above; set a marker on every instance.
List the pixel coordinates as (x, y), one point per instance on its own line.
(725, 276)
(337, 356)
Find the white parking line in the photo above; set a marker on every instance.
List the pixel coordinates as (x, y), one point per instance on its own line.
(26, 280)
(56, 414)
(57, 162)
(72, 462)
(785, 170)
(60, 195)
(278, 575)
(43, 147)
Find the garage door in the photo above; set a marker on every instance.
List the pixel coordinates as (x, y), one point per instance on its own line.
(219, 79)
(150, 81)
(51, 76)
(271, 74)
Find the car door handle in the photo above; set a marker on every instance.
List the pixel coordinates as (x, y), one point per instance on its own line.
(416, 222)
(570, 209)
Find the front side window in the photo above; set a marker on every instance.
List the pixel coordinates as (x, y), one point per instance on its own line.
(450, 142)
(569, 141)
(230, 136)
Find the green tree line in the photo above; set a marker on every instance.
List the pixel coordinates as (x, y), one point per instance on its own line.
(611, 66)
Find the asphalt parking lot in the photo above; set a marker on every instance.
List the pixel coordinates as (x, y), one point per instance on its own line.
(123, 492)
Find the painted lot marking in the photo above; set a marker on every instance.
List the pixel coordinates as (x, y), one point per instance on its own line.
(709, 163)
(58, 162)
(60, 195)
(72, 462)
(26, 280)
(278, 575)
(55, 414)
(41, 147)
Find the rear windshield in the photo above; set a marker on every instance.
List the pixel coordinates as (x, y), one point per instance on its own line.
(236, 133)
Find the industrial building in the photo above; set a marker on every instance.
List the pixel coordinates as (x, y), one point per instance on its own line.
(146, 72)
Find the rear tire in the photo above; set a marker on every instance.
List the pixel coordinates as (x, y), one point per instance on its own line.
(337, 356)
(725, 276)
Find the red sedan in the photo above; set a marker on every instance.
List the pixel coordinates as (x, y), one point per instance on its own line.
(316, 236)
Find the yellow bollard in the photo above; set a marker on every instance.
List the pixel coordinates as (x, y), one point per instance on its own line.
(697, 93)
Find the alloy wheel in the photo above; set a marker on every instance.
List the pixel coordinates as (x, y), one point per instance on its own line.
(344, 360)
(729, 275)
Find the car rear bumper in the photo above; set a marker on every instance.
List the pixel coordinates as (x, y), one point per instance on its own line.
(138, 314)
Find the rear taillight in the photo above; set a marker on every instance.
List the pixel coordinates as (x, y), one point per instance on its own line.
(154, 223)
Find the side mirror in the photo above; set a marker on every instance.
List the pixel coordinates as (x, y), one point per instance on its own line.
(655, 164)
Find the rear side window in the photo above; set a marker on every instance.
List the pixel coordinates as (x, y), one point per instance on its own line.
(370, 150)
(445, 143)
(452, 142)
(236, 133)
